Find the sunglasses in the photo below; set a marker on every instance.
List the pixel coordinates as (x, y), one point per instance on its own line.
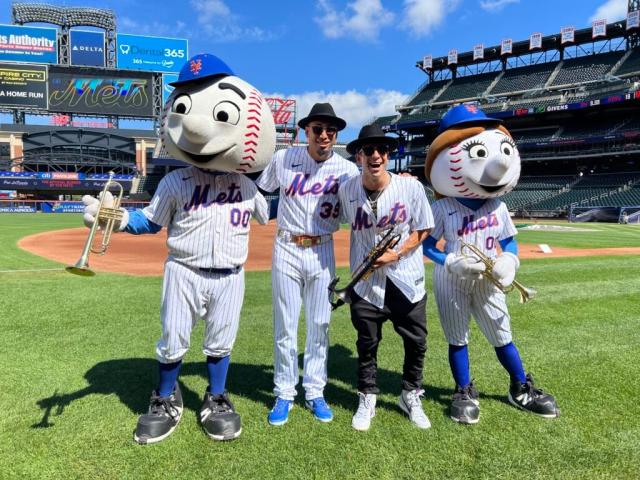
(369, 149)
(317, 130)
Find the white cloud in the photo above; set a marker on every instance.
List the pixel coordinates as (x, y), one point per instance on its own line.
(496, 5)
(421, 17)
(220, 24)
(356, 108)
(155, 28)
(611, 10)
(363, 19)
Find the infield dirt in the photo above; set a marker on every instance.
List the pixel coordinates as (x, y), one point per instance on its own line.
(145, 254)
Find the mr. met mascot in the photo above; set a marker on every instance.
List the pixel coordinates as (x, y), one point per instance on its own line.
(223, 128)
(471, 164)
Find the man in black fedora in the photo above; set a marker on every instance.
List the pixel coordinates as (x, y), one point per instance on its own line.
(374, 202)
(303, 259)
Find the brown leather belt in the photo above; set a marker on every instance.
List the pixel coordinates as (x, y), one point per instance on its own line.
(304, 240)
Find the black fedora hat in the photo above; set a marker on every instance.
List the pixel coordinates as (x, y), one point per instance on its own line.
(371, 134)
(323, 112)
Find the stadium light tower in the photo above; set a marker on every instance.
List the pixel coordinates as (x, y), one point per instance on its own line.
(67, 17)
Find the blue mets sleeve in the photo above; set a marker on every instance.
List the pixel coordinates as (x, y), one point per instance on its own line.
(140, 224)
(430, 251)
(510, 245)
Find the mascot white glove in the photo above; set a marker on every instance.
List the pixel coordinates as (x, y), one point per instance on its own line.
(464, 266)
(91, 210)
(505, 268)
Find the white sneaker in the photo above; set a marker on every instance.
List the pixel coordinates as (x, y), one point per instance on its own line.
(366, 411)
(411, 404)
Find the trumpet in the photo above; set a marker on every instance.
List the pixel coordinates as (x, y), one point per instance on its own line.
(339, 297)
(110, 215)
(526, 294)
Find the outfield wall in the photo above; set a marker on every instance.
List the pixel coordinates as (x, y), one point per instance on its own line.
(48, 206)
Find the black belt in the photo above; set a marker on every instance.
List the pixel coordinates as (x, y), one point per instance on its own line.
(222, 271)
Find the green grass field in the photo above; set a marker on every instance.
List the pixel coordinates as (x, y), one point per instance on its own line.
(78, 365)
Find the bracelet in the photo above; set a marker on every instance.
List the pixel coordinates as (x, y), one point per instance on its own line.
(400, 255)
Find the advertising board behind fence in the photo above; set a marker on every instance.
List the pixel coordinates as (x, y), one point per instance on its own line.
(28, 44)
(23, 85)
(154, 54)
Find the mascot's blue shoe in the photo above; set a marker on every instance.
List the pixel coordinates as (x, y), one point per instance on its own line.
(320, 409)
(279, 414)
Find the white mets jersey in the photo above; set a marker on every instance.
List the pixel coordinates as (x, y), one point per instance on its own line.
(402, 203)
(308, 203)
(207, 216)
(483, 228)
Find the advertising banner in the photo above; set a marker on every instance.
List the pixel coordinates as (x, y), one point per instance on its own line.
(567, 35)
(56, 184)
(28, 44)
(506, 46)
(167, 78)
(17, 209)
(99, 92)
(633, 19)
(154, 54)
(453, 56)
(427, 62)
(478, 52)
(86, 48)
(23, 86)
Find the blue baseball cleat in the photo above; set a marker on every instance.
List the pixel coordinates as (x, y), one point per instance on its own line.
(279, 414)
(320, 409)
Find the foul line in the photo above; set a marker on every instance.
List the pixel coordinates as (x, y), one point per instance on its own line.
(33, 270)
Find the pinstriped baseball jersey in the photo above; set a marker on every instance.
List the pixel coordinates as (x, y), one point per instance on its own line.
(402, 203)
(207, 216)
(308, 205)
(308, 190)
(483, 228)
(458, 299)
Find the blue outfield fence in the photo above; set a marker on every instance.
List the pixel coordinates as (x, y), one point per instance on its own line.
(52, 206)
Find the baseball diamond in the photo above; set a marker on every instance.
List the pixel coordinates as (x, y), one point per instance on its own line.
(215, 200)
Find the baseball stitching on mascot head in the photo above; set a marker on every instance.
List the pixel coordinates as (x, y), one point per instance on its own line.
(474, 156)
(217, 121)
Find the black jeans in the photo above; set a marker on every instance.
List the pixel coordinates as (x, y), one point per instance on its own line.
(409, 321)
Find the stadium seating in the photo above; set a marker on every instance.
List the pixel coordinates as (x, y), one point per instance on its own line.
(631, 65)
(524, 78)
(590, 68)
(427, 93)
(472, 86)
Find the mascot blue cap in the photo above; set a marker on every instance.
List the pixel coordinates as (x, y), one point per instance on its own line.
(202, 66)
(463, 114)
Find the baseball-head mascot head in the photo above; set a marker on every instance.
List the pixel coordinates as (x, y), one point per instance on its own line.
(217, 121)
(473, 156)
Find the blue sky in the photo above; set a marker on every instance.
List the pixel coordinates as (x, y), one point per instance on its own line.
(357, 54)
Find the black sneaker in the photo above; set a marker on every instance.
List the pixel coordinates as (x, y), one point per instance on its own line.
(527, 397)
(219, 418)
(465, 407)
(161, 419)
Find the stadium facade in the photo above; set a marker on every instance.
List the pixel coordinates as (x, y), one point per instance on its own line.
(571, 101)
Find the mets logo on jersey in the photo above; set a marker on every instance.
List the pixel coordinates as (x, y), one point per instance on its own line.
(397, 214)
(299, 186)
(470, 224)
(200, 197)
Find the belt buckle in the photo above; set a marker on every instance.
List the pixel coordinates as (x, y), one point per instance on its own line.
(306, 242)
